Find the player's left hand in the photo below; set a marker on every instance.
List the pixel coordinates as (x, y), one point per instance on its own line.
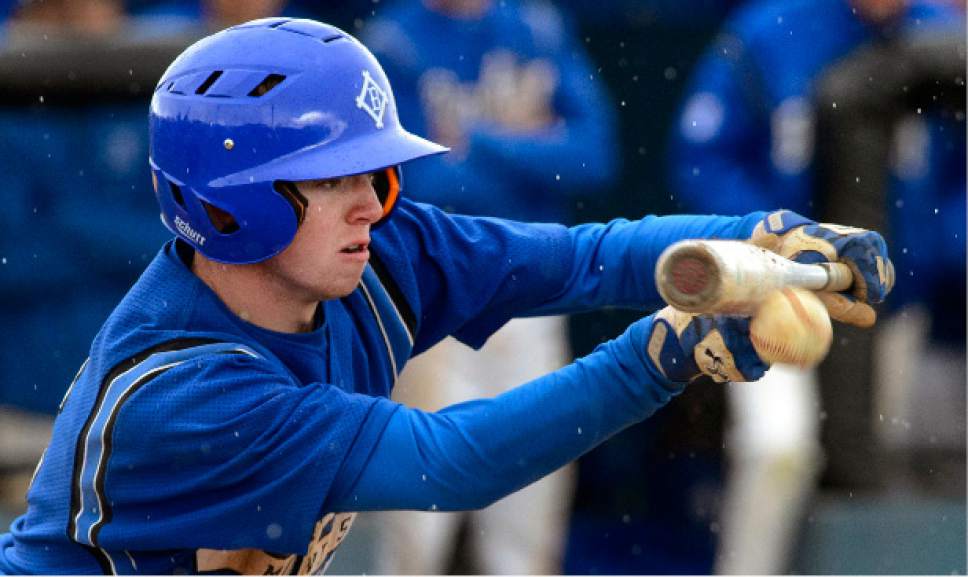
(864, 251)
(686, 346)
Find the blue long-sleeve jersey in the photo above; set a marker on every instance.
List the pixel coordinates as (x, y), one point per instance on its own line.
(192, 441)
(535, 174)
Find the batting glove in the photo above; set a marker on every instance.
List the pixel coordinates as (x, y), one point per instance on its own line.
(864, 251)
(685, 346)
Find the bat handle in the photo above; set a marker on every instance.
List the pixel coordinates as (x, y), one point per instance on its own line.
(839, 277)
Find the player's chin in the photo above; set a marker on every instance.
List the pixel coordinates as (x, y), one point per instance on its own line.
(341, 287)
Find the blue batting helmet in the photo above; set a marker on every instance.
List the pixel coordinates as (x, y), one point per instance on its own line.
(242, 114)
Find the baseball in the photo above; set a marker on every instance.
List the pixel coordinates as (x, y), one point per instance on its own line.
(791, 326)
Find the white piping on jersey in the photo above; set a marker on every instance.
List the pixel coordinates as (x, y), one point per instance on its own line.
(37, 468)
(393, 304)
(97, 496)
(59, 409)
(103, 460)
(74, 382)
(386, 337)
(114, 569)
(243, 351)
(130, 558)
(80, 477)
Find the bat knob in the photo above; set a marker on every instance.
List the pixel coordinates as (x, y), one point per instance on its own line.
(688, 277)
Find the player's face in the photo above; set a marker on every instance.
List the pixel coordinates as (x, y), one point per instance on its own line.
(331, 248)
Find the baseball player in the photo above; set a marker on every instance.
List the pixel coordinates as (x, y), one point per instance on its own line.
(232, 416)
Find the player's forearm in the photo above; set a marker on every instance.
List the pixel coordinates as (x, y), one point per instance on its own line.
(614, 264)
(469, 455)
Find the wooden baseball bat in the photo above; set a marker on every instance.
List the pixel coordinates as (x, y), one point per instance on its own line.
(733, 277)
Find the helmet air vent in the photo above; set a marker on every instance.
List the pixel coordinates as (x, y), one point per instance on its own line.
(176, 193)
(267, 84)
(204, 86)
(223, 222)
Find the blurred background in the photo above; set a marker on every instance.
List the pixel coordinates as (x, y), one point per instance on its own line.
(847, 111)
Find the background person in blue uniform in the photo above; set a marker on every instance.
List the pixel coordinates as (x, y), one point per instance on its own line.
(531, 134)
(745, 138)
(233, 412)
(747, 124)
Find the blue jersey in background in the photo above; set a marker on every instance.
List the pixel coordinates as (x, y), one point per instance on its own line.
(528, 154)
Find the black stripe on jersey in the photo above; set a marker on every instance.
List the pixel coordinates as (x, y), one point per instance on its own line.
(173, 345)
(106, 512)
(396, 295)
(102, 559)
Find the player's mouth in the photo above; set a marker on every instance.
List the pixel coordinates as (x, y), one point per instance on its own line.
(358, 250)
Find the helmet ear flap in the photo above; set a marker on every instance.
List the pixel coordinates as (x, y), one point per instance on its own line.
(291, 193)
(386, 183)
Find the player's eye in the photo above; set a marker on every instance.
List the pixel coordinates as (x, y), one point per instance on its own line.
(330, 183)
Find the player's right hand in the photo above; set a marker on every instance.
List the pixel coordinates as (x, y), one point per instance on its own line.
(798, 238)
(685, 346)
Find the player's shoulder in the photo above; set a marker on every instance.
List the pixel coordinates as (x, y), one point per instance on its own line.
(402, 244)
(158, 300)
(175, 380)
(142, 357)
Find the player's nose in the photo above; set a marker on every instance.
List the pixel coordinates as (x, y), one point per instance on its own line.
(367, 208)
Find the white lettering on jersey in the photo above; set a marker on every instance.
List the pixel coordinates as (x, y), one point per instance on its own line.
(327, 536)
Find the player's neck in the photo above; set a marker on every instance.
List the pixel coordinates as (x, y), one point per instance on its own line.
(257, 297)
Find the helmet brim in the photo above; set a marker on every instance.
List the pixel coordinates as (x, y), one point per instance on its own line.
(331, 160)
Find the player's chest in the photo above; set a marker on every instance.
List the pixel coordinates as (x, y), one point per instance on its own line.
(369, 342)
